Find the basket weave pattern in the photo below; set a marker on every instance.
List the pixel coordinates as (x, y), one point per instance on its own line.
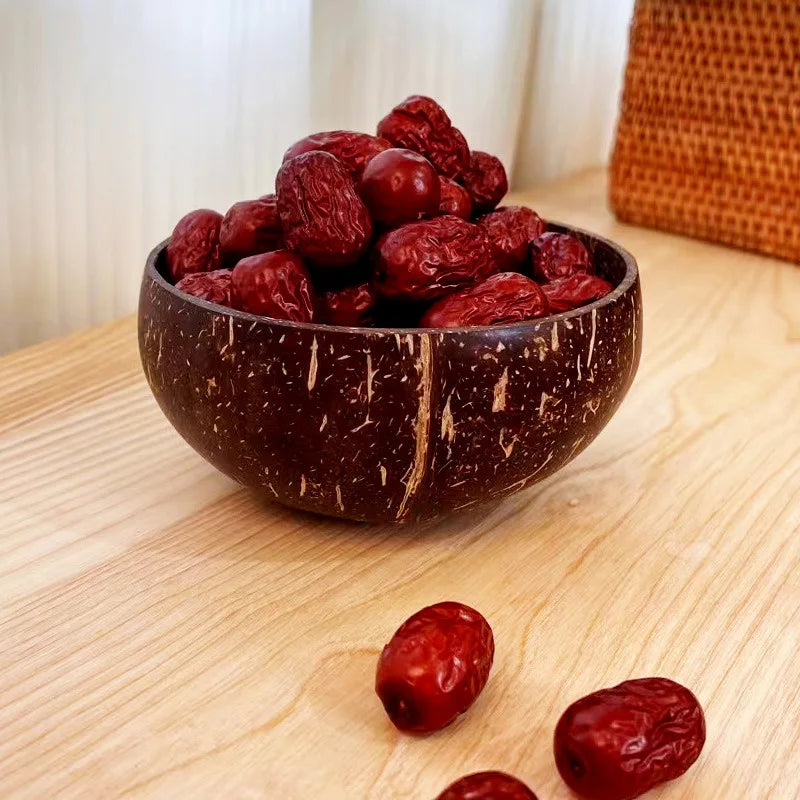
(708, 140)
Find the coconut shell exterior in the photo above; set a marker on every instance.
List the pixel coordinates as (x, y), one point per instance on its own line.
(390, 425)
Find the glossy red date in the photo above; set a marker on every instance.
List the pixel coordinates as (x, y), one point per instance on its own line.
(421, 124)
(194, 244)
(275, 284)
(501, 299)
(434, 666)
(399, 186)
(618, 743)
(428, 259)
(353, 306)
(511, 230)
(355, 150)
(322, 216)
(454, 199)
(249, 228)
(214, 286)
(558, 255)
(485, 180)
(491, 785)
(579, 289)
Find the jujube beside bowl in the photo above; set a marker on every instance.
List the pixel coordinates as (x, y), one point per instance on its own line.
(449, 380)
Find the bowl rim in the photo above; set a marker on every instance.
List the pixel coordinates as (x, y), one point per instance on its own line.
(628, 280)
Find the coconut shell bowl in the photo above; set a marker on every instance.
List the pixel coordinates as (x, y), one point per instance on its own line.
(390, 424)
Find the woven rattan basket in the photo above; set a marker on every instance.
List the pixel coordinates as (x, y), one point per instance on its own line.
(708, 140)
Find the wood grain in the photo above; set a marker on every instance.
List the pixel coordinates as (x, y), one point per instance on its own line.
(167, 635)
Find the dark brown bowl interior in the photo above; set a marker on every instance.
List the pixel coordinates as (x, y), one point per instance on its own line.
(386, 424)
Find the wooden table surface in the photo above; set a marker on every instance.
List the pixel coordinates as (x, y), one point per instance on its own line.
(166, 634)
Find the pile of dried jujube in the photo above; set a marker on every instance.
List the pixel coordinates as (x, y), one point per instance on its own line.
(613, 744)
(402, 229)
(398, 229)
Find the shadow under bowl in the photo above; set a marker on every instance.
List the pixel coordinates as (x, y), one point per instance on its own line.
(390, 424)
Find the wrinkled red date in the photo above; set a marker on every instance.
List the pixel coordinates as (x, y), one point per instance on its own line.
(485, 180)
(558, 255)
(564, 294)
(618, 743)
(454, 199)
(353, 149)
(399, 186)
(275, 284)
(194, 245)
(214, 286)
(491, 785)
(353, 306)
(500, 299)
(434, 666)
(511, 230)
(322, 216)
(249, 228)
(421, 124)
(428, 259)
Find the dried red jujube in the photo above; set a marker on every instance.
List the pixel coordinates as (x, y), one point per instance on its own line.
(428, 259)
(434, 666)
(249, 228)
(194, 245)
(490, 785)
(399, 186)
(559, 255)
(353, 149)
(511, 230)
(214, 286)
(485, 180)
(275, 284)
(421, 124)
(618, 743)
(454, 199)
(500, 299)
(322, 216)
(564, 294)
(353, 306)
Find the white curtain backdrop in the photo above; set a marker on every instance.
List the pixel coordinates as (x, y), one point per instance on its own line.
(471, 55)
(117, 116)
